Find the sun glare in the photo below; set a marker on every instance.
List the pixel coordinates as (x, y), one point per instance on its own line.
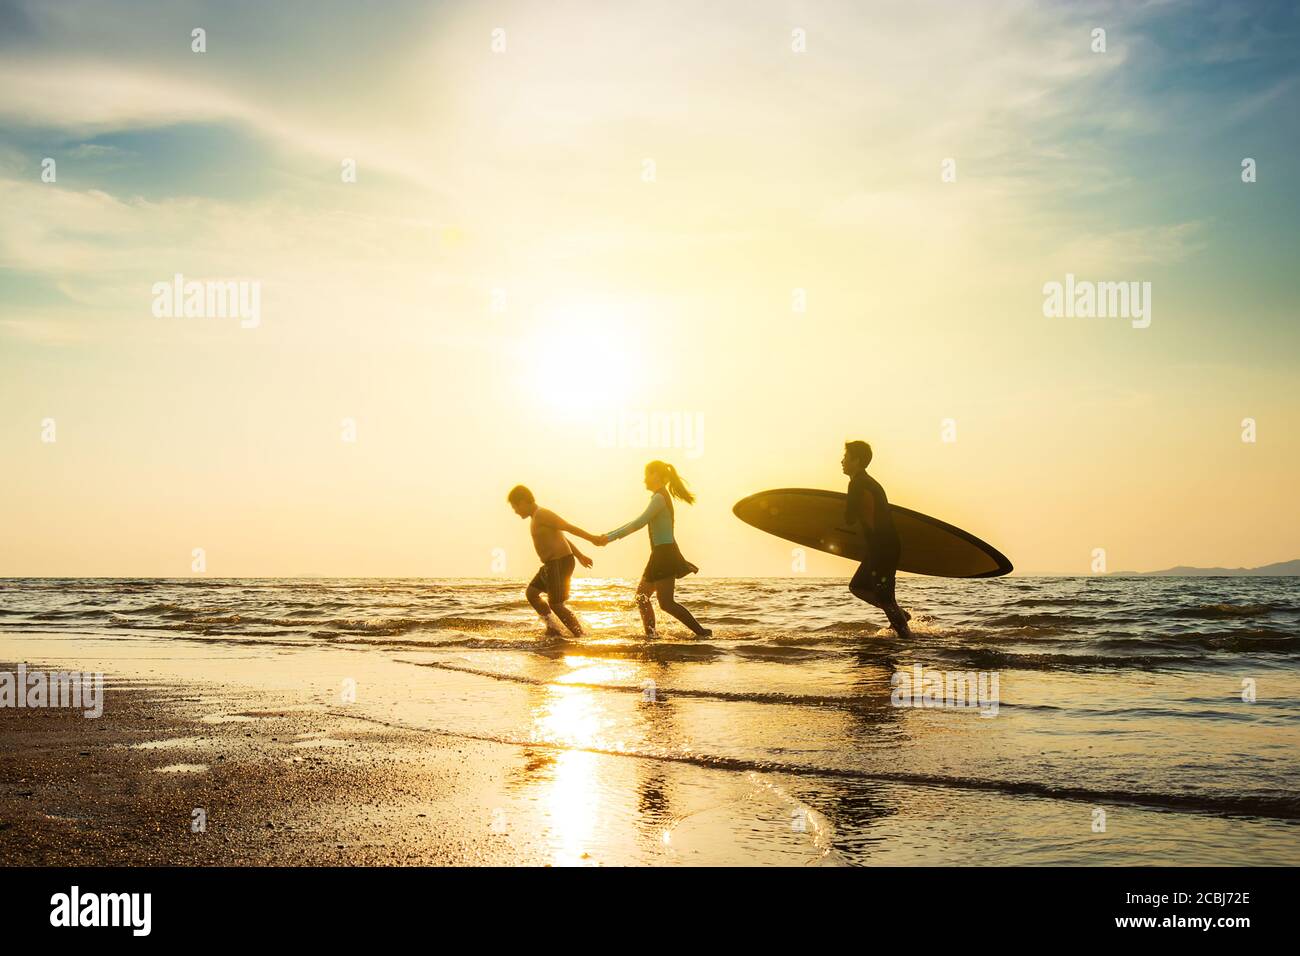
(582, 360)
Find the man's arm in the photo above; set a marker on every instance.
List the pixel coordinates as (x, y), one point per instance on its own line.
(860, 509)
(868, 512)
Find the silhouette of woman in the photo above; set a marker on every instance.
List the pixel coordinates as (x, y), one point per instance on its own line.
(666, 563)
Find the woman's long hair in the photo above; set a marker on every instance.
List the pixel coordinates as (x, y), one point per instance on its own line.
(672, 481)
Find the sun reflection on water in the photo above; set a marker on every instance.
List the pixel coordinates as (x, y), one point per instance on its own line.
(584, 670)
(571, 716)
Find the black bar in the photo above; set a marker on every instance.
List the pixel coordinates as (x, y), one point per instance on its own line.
(935, 907)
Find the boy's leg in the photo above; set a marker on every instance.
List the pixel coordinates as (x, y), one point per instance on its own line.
(559, 574)
(669, 603)
(643, 592)
(568, 617)
(537, 601)
(543, 610)
(536, 587)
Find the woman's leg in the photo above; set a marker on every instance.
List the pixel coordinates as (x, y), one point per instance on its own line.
(668, 603)
(643, 592)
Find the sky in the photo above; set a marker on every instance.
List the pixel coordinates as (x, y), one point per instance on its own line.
(787, 224)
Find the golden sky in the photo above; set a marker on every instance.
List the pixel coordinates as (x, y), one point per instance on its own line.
(616, 214)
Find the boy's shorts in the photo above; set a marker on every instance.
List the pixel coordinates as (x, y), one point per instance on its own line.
(552, 578)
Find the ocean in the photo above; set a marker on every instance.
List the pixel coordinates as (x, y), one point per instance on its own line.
(1034, 720)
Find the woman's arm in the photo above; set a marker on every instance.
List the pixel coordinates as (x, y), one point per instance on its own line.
(656, 505)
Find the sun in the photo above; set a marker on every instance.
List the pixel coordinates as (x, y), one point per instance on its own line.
(583, 359)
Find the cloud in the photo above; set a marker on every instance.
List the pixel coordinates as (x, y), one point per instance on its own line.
(536, 153)
(89, 98)
(85, 99)
(1140, 246)
(44, 331)
(96, 151)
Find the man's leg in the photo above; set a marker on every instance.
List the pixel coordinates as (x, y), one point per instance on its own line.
(863, 584)
(898, 619)
(885, 575)
(887, 570)
(869, 584)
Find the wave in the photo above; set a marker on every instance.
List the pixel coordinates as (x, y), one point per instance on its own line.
(1219, 611)
(879, 702)
(665, 650)
(662, 694)
(1247, 640)
(1055, 621)
(979, 648)
(1281, 806)
(1043, 624)
(1067, 600)
(68, 615)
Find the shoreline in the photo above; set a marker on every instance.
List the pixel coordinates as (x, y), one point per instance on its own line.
(508, 751)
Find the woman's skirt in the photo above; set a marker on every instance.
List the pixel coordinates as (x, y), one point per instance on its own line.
(666, 561)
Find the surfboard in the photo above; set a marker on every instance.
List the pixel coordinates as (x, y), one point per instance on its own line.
(815, 519)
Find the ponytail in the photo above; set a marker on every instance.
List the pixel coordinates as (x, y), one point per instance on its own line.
(674, 483)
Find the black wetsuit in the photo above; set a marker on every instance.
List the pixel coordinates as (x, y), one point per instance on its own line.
(868, 506)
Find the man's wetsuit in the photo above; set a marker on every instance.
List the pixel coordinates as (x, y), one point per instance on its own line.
(868, 506)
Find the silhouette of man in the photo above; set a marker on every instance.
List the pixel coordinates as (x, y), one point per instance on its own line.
(868, 507)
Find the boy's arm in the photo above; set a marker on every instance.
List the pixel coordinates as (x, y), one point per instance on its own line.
(585, 561)
(555, 521)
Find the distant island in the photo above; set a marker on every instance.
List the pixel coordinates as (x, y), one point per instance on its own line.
(1281, 569)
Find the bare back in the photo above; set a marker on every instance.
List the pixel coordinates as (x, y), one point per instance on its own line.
(549, 541)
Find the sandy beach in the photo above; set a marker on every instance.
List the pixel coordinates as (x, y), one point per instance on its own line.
(281, 783)
(404, 722)
(292, 778)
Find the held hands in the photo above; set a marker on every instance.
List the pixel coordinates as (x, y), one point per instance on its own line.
(600, 540)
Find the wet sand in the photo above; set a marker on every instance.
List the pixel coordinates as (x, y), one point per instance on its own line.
(289, 777)
(433, 764)
(280, 784)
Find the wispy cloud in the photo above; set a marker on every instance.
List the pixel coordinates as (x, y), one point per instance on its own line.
(1144, 245)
